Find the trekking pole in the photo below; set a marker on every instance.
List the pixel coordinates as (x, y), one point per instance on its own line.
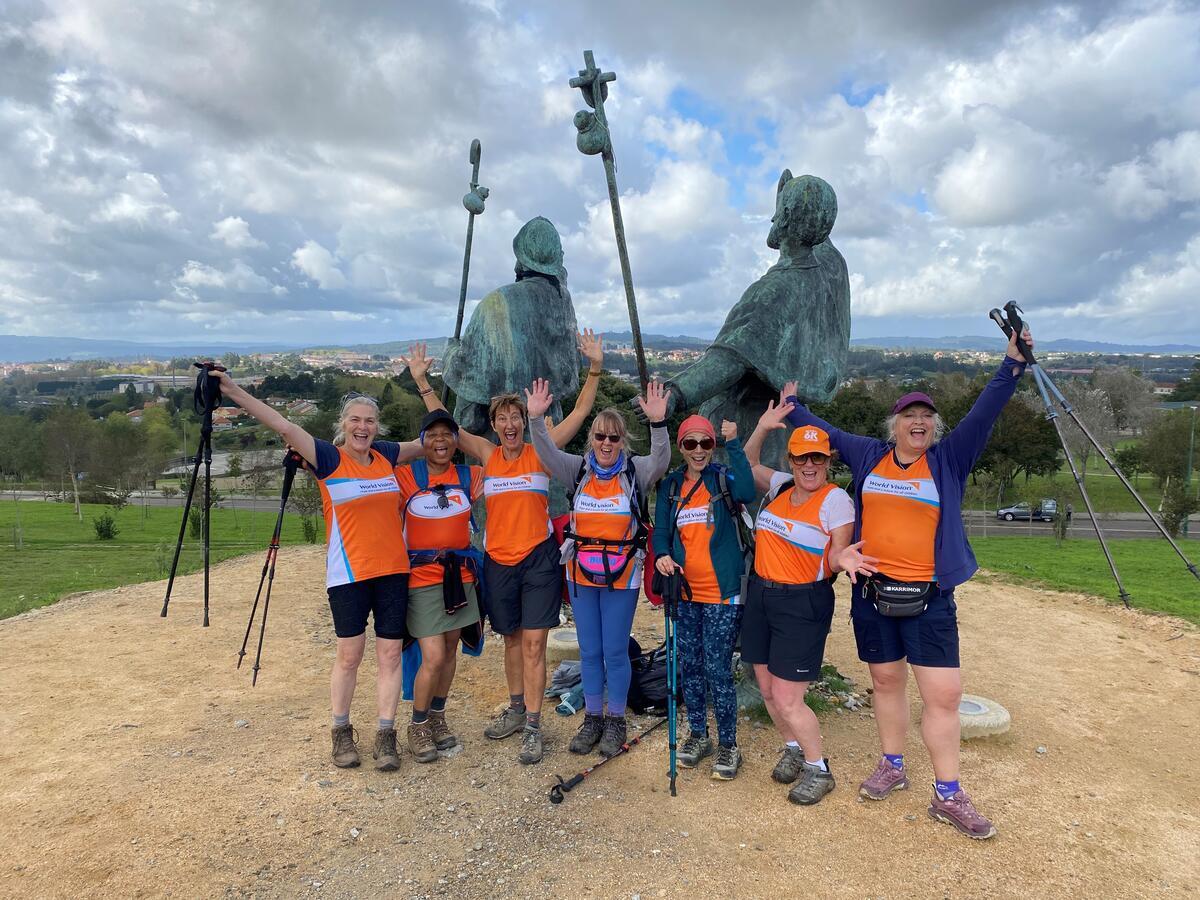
(669, 613)
(473, 201)
(561, 789)
(291, 462)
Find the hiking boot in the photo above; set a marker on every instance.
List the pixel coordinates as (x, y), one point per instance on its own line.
(694, 749)
(788, 768)
(727, 763)
(531, 746)
(508, 722)
(387, 759)
(960, 812)
(814, 784)
(614, 735)
(345, 751)
(885, 779)
(420, 742)
(443, 738)
(588, 735)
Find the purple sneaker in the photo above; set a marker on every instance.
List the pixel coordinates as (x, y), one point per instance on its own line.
(962, 814)
(885, 779)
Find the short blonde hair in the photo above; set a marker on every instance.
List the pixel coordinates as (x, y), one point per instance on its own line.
(339, 433)
(612, 422)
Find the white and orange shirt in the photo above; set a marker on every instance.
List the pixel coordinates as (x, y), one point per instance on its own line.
(792, 541)
(437, 518)
(362, 514)
(900, 516)
(602, 511)
(516, 493)
(694, 521)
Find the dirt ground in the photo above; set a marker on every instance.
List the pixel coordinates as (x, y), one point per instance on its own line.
(136, 761)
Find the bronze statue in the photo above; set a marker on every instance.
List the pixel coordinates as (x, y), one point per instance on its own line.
(518, 332)
(793, 323)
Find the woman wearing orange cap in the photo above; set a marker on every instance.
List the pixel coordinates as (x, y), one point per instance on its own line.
(695, 530)
(803, 525)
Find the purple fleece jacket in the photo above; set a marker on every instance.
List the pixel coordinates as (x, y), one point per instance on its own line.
(950, 462)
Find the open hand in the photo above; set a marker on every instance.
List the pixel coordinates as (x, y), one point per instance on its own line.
(789, 390)
(538, 398)
(591, 345)
(853, 562)
(418, 363)
(728, 430)
(654, 404)
(775, 415)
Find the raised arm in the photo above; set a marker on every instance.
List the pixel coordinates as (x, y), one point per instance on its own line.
(293, 435)
(968, 438)
(853, 448)
(654, 465)
(562, 466)
(591, 345)
(741, 481)
(772, 419)
(418, 367)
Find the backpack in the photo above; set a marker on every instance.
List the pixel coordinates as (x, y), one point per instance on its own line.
(648, 690)
(605, 565)
(742, 524)
(420, 470)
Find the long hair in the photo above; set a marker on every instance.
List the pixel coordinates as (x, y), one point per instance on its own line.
(939, 427)
(610, 421)
(339, 433)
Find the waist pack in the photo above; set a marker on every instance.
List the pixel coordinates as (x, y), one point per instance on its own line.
(899, 599)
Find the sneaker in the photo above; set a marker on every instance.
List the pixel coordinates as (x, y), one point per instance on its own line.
(443, 738)
(694, 749)
(727, 763)
(960, 812)
(885, 779)
(420, 742)
(588, 735)
(508, 722)
(788, 768)
(387, 759)
(814, 784)
(345, 750)
(614, 735)
(531, 746)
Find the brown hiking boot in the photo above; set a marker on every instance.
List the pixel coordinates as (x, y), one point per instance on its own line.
(443, 738)
(345, 751)
(387, 759)
(420, 742)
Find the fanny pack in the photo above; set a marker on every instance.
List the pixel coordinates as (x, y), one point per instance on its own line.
(604, 565)
(899, 599)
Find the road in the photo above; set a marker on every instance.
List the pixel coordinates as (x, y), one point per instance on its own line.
(1114, 525)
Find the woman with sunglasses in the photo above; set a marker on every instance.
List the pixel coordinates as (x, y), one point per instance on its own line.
(435, 500)
(803, 525)
(367, 563)
(695, 531)
(604, 562)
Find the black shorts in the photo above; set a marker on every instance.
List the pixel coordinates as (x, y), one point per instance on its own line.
(930, 639)
(385, 597)
(525, 595)
(786, 627)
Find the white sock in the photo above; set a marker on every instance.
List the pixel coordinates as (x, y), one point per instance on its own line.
(819, 764)
(794, 744)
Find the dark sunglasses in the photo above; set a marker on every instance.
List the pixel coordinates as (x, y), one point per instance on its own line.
(443, 501)
(817, 459)
(611, 438)
(690, 444)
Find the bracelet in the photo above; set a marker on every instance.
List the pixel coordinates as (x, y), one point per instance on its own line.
(428, 390)
(595, 374)
(663, 424)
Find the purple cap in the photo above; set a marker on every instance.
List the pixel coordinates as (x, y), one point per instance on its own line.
(909, 399)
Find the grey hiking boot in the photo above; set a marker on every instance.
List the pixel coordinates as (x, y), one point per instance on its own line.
(960, 812)
(508, 722)
(814, 784)
(885, 779)
(387, 759)
(345, 750)
(727, 763)
(614, 735)
(443, 737)
(694, 749)
(531, 746)
(790, 763)
(588, 735)
(420, 742)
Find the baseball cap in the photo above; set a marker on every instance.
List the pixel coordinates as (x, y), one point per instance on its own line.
(909, 399)
(808, 439)
(435, 416)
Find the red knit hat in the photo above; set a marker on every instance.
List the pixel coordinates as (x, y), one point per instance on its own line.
(695, 423)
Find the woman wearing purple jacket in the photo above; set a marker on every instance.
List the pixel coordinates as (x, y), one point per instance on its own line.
(908, 495)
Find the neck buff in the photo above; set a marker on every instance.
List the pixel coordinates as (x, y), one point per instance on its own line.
(601, 472)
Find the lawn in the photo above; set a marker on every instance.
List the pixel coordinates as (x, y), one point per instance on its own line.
(61, 555)
(1105, 489)
(1153, 574)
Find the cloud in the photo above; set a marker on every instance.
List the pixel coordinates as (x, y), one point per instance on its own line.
(318, 264)
(234, 232)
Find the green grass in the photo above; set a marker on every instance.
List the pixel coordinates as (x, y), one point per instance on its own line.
(61, 555)
(1153, 574)
(1105, 489)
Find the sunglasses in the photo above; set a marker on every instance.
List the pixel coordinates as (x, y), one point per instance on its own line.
(690, 444)
(611, 438)
(443, 501)
(816, 459)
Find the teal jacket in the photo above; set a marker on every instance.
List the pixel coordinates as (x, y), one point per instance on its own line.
(723, 547)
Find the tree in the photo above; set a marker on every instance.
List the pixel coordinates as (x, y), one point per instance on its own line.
(1023, 441)
(855, 410)
(1131, 460)
(70, 436)
(1178, 503)
(1165, 448)
(305, 499)
(1091, 407)
(1130, 395)
(1189, 388)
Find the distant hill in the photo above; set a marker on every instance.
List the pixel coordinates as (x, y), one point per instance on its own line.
(976, 342)
(23, 348)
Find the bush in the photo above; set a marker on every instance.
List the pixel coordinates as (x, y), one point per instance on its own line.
(194, 522)
(106, 527)
(1177, 504)
(309, 524)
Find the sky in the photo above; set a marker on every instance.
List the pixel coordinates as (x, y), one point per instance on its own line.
(293, 171)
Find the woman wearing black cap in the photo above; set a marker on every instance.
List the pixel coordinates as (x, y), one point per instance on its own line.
(908, 497)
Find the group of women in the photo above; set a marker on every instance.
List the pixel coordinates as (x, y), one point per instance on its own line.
(399, 522)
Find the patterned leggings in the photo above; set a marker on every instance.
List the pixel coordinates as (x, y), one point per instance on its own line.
(705, 635)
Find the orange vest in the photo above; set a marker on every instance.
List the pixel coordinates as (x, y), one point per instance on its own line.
(790, 543)
(900, 517)
(516, 493)
(602, 510)
(430, 525)
(695, 525)
(362, 521)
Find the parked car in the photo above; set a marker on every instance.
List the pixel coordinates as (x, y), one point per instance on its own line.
(1043, 512)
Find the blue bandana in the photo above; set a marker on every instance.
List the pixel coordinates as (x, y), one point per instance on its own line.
(601, 472)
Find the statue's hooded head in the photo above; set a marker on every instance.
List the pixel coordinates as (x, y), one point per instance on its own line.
(538, 248)
(805, 209)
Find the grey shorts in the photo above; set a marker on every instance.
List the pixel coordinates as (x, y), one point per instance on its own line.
(427, 614)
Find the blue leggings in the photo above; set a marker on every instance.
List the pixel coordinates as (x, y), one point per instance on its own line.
(603, 620)
(706, 635)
